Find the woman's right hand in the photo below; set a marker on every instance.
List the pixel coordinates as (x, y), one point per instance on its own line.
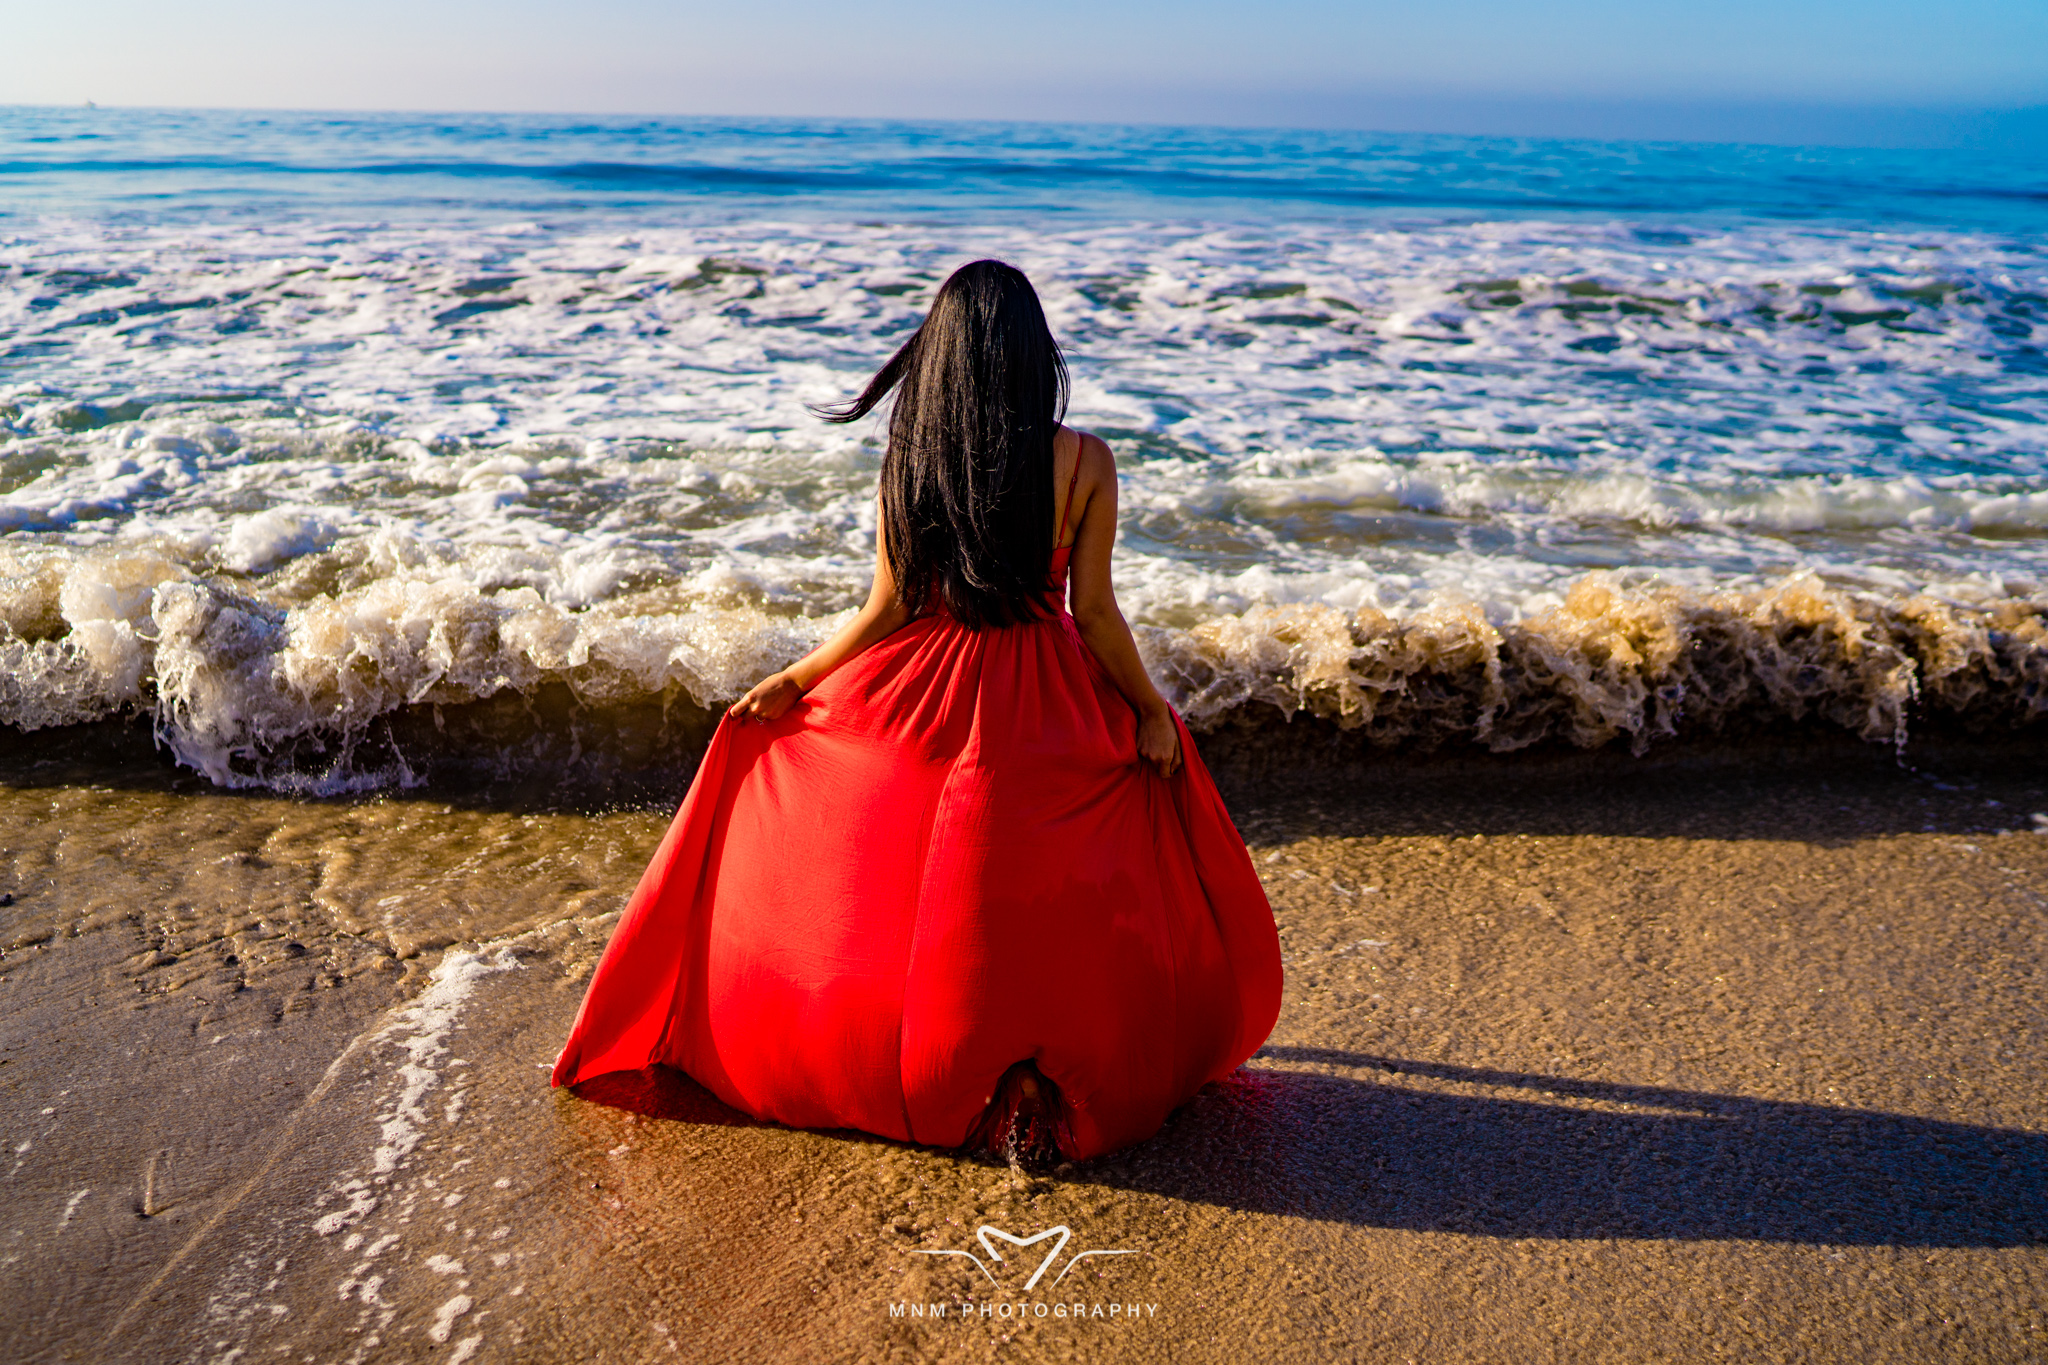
(1159, 740)
(769, 699)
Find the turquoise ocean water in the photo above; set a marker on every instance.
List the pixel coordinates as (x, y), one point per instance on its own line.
(306, 420)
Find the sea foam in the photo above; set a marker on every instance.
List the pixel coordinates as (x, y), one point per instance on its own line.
(303, 698)
(283, 484)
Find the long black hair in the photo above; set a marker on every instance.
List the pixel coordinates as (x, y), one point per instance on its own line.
(967, 497)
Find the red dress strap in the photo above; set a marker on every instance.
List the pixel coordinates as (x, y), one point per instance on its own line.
(1068, 505)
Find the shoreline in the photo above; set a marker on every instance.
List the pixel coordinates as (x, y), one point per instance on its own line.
(1734, 1055)
(1255, 758)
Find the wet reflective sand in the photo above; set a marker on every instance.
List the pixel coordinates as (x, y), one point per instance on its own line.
(1723, 1058)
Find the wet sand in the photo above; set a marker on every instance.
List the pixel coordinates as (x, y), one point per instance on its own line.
(1708, 1056)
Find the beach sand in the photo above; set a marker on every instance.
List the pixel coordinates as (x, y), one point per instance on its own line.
(1719, 1054)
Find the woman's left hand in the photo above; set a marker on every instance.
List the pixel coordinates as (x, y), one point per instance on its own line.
(769, 700)
(1159, 740)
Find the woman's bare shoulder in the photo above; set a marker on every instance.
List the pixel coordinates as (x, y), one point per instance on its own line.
(1096, 460)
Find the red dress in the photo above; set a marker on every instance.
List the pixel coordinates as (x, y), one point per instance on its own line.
(946, 858)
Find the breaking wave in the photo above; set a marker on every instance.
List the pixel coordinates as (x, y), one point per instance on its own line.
(352, 690)
(1615, 665)
(302, 698)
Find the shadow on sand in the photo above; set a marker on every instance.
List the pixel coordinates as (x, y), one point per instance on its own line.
(1647, 1162)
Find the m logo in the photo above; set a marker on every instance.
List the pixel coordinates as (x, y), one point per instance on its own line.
(988, 1236)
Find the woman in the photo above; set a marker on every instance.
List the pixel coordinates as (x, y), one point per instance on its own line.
(956, 876)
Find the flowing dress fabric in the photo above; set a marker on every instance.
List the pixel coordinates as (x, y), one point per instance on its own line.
(946, 858)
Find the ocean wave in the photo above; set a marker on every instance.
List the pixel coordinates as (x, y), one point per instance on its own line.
(327, 696)
(1617, 665)
(1474, 490)
(252, 693)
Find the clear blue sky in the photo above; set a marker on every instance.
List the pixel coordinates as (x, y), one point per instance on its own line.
(1645, 66)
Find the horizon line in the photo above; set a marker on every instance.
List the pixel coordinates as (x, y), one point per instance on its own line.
(1991, 124)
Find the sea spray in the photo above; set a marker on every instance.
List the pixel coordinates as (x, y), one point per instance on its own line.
(1607, 665)
(349, 691)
